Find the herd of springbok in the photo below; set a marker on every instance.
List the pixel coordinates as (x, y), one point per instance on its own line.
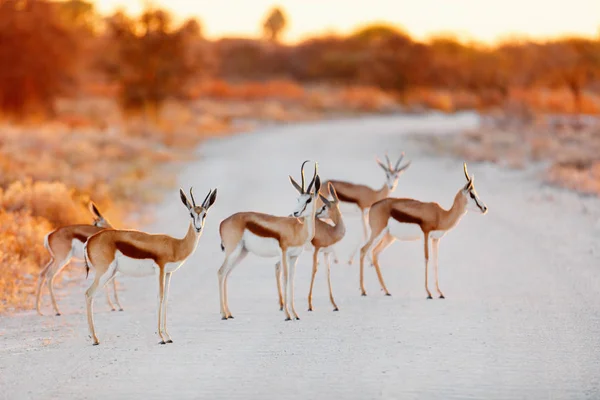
(316, 223)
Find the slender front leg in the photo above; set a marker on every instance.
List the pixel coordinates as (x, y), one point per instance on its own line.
(108, 300)
(278, 279)
(436, 246)
(161, 300)
(382, 245)
(40, 284)
(426, 241)
(164, 312)
(292, 272)
(241, 255)
(312, 281)
(114, 282)
(328, 263)
(284, 262)
(363, 253)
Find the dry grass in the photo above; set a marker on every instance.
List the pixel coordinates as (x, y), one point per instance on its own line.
(571, 151)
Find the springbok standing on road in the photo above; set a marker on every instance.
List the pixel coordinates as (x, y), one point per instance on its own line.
(135, 253)
(65, 244)
(325, 237)
(364, 197)
(410, 220)
(270, 236)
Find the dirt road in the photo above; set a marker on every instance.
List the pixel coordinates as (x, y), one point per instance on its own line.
(521, 318)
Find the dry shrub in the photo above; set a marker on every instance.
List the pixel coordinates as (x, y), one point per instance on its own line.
(21, 254)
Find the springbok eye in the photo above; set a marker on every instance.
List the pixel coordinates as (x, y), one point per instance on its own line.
(472, 195)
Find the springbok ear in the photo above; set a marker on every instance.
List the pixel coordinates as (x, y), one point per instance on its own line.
(94, 210)
(333, 193)
(324, 200)
(184, 199)
(381, 164)
(405, 166)
(211, 200)
(317, 184)
(295, 184)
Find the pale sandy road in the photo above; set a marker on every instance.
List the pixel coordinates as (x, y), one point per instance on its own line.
(521, 318)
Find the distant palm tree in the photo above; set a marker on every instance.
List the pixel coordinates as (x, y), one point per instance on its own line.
(274, 24)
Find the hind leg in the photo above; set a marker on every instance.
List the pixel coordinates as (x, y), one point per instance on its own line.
(108, 300)
(40, 284)
(383, 244)
(231, 260)
(114, 284)
(278, 279)
(52, 274)
(100, 280)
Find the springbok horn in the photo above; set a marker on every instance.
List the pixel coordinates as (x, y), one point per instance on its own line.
(388, 161)
(302, 174)
(206, 199)
(399, 160)
(466, 173)
(313, 179)
(192, 196)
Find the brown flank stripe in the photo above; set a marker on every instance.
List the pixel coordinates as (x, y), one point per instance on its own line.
(403, 217)
(132, 251)
(262, 231)
(343, 197)
(80, 237)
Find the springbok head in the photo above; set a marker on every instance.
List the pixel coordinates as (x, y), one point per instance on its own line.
(307, 195)
(99, 220)
(198, 213)
(392, 173)
(329, 206)
(474, 203)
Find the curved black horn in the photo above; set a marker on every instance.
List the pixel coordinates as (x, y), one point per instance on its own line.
(207, 196)
(302, 175)
(314, 177)
(389, 163)
(192, 196)
(399, 160)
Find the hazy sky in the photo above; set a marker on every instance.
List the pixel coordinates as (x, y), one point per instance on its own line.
(486, 20)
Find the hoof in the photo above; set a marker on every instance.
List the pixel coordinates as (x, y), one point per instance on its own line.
(309, 309)
(95, 343)
(297, 318)
(363, 294)
(57, 314)
(280, 308)
(120, 309)
(429, 297)
(223, 318)
(112, 309)
(336, 261)
(336, 309)
(441, 296)
(162, 342)
(388, 294)
(230, 317)
(169, 341)
(288, 319)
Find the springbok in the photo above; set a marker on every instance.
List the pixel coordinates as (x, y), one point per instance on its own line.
(410, 220)
(364, 197)
(65, 244)
(325, 237)
(135, 253)
(267, 235)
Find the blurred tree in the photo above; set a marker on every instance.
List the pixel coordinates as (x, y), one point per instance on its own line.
(572, 62)
(79, 15)
(38, 53)
(151, 61)
(274, 24)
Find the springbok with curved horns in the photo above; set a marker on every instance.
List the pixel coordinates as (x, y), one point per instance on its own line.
(410, 220)
(135, 253)
(363, 196)
(63, 245)
(267, 235)
(325, 237)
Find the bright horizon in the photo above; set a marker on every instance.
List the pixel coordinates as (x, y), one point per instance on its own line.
(482, 20)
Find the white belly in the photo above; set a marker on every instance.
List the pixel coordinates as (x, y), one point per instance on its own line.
(135, 267)
(77, 249)
(404, 232)
(172, 267)
(437, 234)
(261, 246)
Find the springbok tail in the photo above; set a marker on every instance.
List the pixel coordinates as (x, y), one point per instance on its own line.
(86, 260)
